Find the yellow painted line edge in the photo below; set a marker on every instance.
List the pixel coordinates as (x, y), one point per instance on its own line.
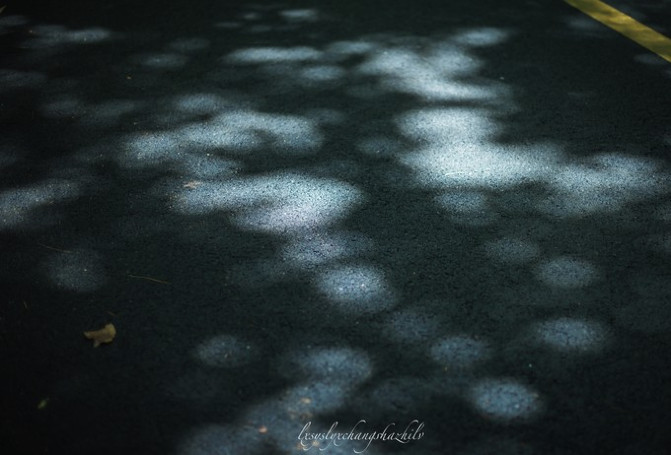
(626, 25)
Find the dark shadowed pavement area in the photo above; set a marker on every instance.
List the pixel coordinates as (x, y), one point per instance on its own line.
(446, 216)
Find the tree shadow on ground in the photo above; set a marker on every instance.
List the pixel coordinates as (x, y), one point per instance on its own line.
(301, 214)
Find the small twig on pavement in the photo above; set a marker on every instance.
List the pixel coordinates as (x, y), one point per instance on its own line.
(148, 278)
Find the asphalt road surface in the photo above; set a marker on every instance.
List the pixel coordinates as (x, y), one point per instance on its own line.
(408, 227)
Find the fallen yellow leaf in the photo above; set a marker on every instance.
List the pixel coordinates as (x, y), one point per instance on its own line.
(104, 335)
(43, 404)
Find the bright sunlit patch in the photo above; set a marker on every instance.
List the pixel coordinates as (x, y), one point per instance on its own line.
(571, 335)
(458, 352)
(505, 400)
(512, 250)
(461, 153)
(257, 55)
(280, 203)
(80, 270)
(433, 76)
(21, 207)
(567, 272)
(225, 351)
(307, 252)
(356, 289)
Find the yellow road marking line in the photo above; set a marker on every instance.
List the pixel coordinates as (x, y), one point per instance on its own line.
(626, 25)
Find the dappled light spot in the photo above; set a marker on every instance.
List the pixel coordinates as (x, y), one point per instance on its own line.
(469, 208)
(281, 203)
(147, 149)
(200, 103)
(300, 15)
(349, 48)
(215, 439)
(45, 36)
(458, 352)
(512, 250)
(433, 76)
(481, 37)
(28, 207)
(246, 130)
(571, 335)
(208, 166)
(410, 327)
(356, 289)
(505, 400)
(567, 272)
(257, 55)
(460, 153)
(455, 126)
(322, 73)
(161, 61)
(284, 414)
(225, 351)
(307, 252)
(217, 134)
(79, 270)
(338, 365)
(603, 185)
